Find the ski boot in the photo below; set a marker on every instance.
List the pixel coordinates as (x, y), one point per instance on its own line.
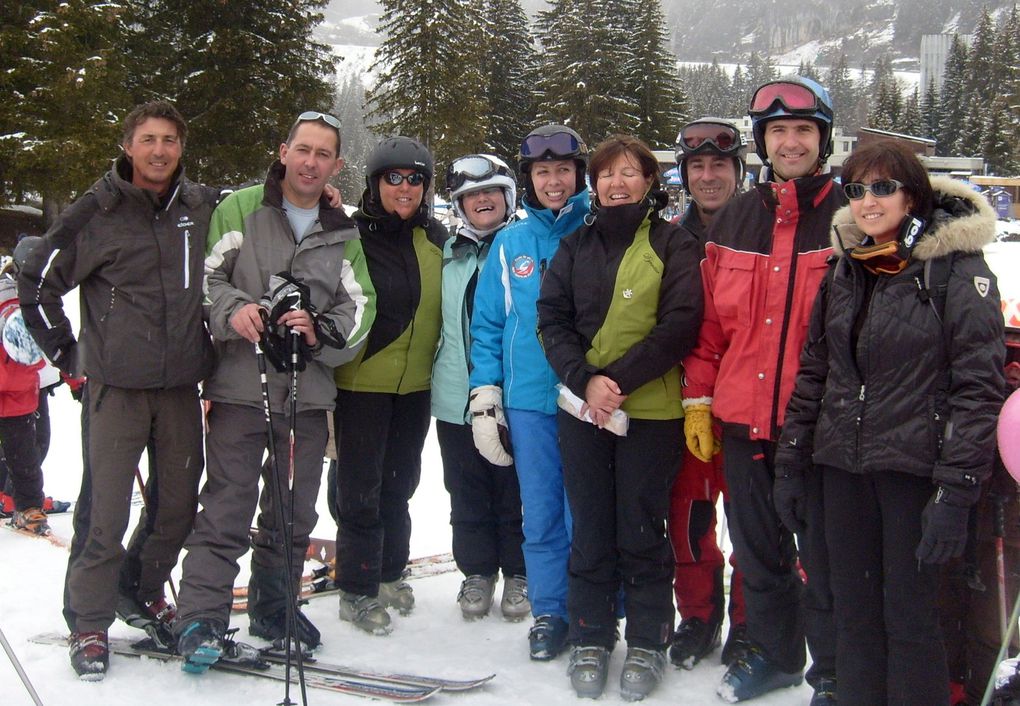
(31, 520)
(475, 597)
(365, 613)
(397, 595)
(200, 643)
(514, 604)
(642, 672)
(547, 637)
(90, 654)
(752, 675)
(588, 669)
(273, 627)
(694, 640)
(736, 645)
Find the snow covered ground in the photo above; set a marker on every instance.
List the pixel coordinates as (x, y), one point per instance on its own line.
(433, 640)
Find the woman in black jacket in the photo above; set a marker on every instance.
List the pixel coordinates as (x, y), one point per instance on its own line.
(620, 306)
(895, 404)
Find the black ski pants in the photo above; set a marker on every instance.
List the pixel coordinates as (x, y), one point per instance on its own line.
(889, 645)
(18, 438)
(485, 506)
(42, 442)
(782, 608)
(618, 490)
(379, 439)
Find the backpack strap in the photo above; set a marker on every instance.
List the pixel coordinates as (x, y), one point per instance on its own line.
(934, 288)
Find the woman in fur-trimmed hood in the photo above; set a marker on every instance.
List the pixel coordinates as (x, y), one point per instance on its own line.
(895, 404)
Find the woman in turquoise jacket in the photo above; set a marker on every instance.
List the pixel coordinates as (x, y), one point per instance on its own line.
(513, 386)
(485, 500)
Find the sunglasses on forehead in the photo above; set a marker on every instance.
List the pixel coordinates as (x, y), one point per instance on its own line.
(855, 190)
(315, 115)
(396, 178)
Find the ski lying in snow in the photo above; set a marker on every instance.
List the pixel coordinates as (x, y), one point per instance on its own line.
(390, 690)
(48, 536)
(311, 664)
(318, 582)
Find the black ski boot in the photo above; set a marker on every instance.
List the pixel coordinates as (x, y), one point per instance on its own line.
(694, 640)
(736, 645)
(268, 594)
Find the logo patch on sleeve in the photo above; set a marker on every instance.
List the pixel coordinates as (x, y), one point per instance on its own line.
(982, 285)
(522, 266)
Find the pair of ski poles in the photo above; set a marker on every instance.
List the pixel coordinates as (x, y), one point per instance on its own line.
(285, 519)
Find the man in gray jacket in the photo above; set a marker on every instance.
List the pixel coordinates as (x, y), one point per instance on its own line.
(134, 246)
(283, 226)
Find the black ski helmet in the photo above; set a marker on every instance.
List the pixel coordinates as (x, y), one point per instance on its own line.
(398, 153)
(539, 145)
(734, 147)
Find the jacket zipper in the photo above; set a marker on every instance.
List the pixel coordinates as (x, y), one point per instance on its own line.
(187, 259)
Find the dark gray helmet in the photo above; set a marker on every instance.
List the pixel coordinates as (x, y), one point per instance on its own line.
(398, 153)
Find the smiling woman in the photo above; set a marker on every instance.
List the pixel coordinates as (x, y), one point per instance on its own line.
(620, 306)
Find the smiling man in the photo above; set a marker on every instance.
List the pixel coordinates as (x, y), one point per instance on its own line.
(765, 257)
(323, 294)
(133, 244)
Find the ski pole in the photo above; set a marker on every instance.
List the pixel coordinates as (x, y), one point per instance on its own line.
(999, 531)
(990, 687)
(19, 669)
(277, 494)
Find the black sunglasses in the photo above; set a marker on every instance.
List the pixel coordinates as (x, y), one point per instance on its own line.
(886, 187)
(315, 115)
(396, 178)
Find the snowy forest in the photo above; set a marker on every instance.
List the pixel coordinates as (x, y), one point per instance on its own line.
(460, 75)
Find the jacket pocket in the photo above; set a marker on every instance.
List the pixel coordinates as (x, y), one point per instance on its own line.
(733, 294)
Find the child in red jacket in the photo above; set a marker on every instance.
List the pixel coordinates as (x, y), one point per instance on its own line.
(20, 360)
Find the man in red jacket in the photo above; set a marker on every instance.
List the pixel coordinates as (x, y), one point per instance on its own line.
(765, 257)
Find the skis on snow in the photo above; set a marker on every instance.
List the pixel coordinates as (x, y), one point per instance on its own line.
(399, 688)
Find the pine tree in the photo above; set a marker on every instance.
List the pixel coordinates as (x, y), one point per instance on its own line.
(62, 82)
(952, 100)
(911, 122)
(358, 140)
(760, 70)
(739, 94)
(238, 72)
(887, 104)
(429, 82)
(930, 110)
(510, 67)
(979, 85)
(585, 80)
(840, 85)
(661, 105)
(999, 153)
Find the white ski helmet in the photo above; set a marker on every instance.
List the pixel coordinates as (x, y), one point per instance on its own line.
(476, 172)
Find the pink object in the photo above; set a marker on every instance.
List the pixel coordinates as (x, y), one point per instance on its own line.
(1009, 435)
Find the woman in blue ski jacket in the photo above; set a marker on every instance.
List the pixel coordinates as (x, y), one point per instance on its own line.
(513, 387)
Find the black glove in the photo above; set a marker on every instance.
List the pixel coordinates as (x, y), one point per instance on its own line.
(285, 294)
(943, 528)
(789, 495)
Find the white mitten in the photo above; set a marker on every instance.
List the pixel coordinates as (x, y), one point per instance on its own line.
(488, 425)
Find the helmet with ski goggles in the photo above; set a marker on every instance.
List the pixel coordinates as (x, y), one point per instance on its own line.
(474, 167)
(792, 97)
(552, 143)
(710, 136)
(398, 153)
(478, 172)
